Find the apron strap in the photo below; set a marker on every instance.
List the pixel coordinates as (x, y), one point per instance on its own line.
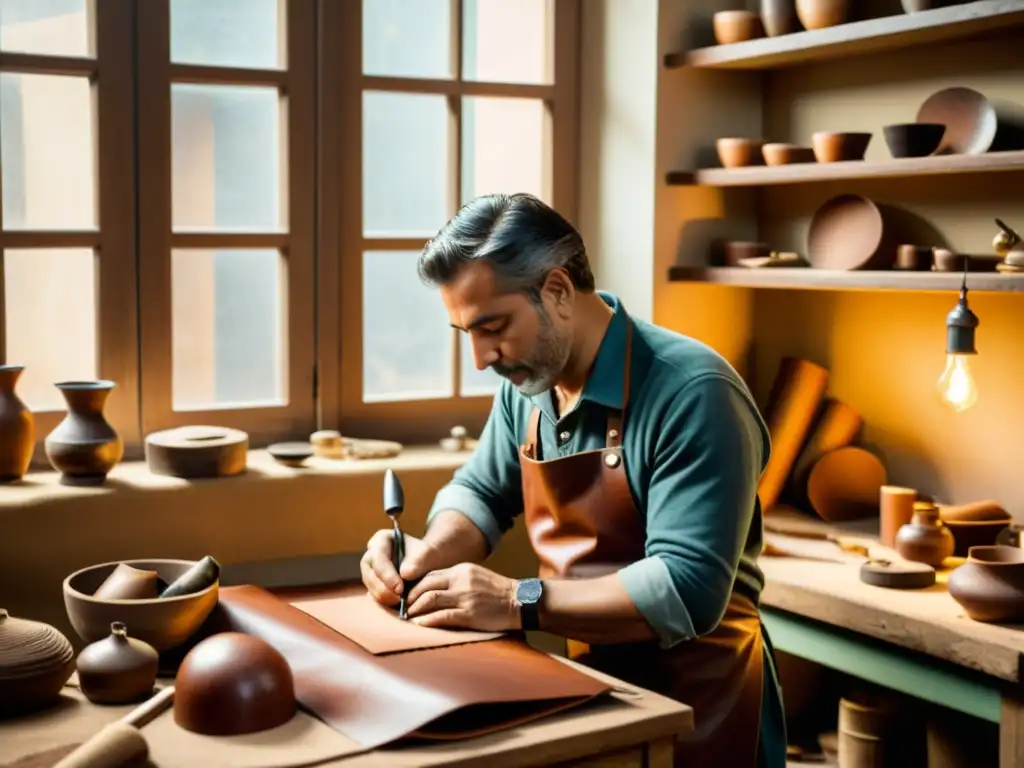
(533, 433)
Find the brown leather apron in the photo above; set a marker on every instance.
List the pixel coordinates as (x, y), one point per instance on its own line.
(583, 522)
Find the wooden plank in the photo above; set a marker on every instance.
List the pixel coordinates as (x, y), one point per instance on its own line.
(201, 74)
(42, 238)
(857, 38)
(894, 668)
(458, 87)
(895, 168)
(928, 621)
(37, 64)
(807, 278)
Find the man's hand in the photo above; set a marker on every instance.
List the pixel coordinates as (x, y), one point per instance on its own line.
(378, 570)
(467, 596)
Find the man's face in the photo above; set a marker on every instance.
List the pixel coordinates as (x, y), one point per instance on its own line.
(526, 343)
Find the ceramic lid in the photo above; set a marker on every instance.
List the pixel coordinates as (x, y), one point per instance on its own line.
(30, 647)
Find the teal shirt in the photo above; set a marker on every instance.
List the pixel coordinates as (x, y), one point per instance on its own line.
(694, 447)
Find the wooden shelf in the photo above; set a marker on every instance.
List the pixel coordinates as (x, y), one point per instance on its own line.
(857, 37)
(807, 278)
(802, 173)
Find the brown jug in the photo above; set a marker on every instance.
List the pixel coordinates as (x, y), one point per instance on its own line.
(84, 447)
(17, 427)
(925, 539)
(117, 669)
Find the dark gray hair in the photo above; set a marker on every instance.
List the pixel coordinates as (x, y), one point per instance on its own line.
(519, 235)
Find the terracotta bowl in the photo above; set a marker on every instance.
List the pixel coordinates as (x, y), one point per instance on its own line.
(818, 14)
(736, 26)
(990, 585)
(232, 683)
(163, 623)
(913, 139)
(786, 154)
(839, 146)
(739, 153)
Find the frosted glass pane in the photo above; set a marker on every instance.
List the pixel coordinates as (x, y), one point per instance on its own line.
(227, 33)
(228, 329)
(504, 143)
(44, 27)
(47, 159)
(508, 41)
(405, 164)
(407, 338)
(50, 314)
(407, 38)
(226, 155)
(474, 382)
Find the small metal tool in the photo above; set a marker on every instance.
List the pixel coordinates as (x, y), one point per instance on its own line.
(394, 503)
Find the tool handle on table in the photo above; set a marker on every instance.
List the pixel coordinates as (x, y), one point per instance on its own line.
(116, 745)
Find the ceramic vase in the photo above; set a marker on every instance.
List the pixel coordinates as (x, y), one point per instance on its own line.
(990, 585)
(84, 447)
(118, 669)
(779, 17)
(17, 427)
(925, 539)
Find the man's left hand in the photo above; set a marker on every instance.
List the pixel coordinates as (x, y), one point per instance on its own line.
(466, 596)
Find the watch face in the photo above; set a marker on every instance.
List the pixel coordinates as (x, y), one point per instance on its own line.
(528, 591)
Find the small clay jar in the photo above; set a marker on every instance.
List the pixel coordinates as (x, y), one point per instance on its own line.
(117, 669)
(925, 539)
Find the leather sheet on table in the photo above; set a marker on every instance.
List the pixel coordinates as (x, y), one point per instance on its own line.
(377, 629)
(449, 692)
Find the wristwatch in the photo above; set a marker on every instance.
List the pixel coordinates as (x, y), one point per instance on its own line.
(528, 595)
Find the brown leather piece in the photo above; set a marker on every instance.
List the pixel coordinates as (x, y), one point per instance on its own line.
(583, 523)
(374, 700)
(355, 614)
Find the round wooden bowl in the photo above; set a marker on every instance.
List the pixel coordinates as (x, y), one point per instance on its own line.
(164, 623)
(839, 146)
(786, 154)
(736, 26)
(739, 153)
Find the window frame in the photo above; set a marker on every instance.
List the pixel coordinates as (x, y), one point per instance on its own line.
(297, 84)
(110, 70)
(341, 237)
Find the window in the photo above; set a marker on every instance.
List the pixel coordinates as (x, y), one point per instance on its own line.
(227, 118)
(453, 99)
(218, 204)
(67, 209)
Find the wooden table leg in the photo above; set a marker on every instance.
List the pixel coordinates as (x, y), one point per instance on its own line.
(1011, 731)
(660, 753)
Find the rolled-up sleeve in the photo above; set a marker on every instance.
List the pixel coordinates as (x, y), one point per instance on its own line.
(487, 489)
(709, 453)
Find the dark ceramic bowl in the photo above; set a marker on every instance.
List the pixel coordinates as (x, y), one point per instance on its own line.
(913, 139)
(291, 454)
(975, 533)
(164, 623)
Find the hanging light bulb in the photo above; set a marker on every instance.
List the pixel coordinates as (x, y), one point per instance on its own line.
(956, 387)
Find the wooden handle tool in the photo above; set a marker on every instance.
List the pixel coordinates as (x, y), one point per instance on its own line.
(120, 743)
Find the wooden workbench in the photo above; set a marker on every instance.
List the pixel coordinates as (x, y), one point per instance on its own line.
(630, 728)
(918, 642)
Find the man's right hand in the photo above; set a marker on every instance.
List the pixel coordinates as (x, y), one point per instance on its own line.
(378, 570)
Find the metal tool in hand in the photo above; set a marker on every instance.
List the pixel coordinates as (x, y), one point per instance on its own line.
(394, 503)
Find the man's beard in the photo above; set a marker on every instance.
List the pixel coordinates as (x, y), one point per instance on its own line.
(545, 365)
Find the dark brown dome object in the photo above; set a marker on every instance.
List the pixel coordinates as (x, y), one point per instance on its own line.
(118, 669)
(35, 662)
(232, 684)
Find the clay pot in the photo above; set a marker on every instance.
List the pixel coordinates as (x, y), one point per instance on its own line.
(925, 539)
(818, 14)
(736, 26)
(738, 152)
(118, 669)
(232, 683)
(35, 662)
(84, 447)
(17, 427)
(913, 139)
(777, 153)
(778, 17)
(917, 258)
(990, 585)
(838, 146)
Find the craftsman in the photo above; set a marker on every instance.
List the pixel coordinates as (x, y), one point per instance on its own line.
(633, 454)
